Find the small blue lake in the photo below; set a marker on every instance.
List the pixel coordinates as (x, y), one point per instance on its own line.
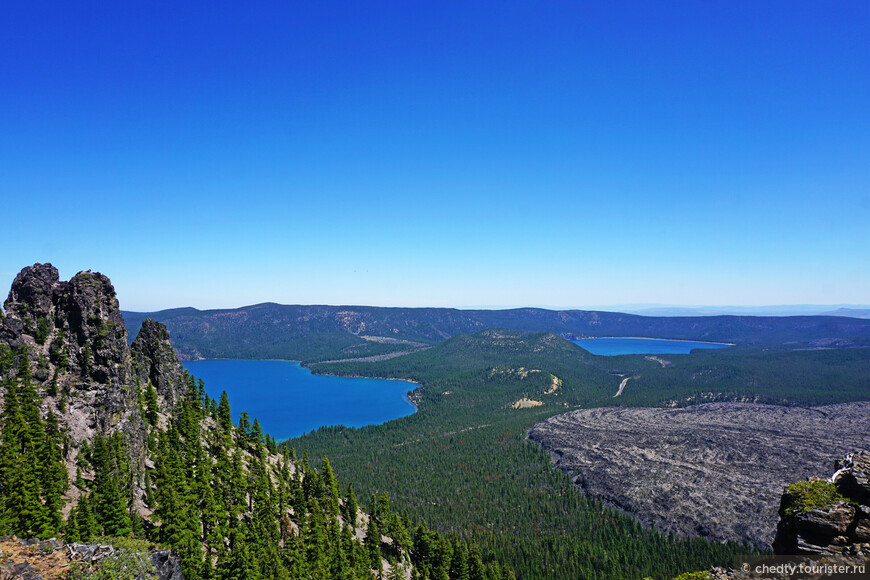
(289, 401)
(616, 346)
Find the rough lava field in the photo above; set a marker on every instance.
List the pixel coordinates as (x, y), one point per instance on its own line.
(715, 470)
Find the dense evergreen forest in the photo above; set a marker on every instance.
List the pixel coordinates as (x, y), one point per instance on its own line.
(463, 463)
(219, 495)
(759, 374)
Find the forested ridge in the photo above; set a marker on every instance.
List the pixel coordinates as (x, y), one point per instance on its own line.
(218, 494)
(318, 332)
(101, 439)
(757, 374)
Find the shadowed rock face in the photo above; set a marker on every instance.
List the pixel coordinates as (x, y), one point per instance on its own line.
(715, 470)
(155, 360)
(32, 291)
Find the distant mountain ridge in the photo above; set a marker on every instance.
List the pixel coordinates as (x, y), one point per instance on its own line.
(851, 312)
(315, 332)
(778, 310)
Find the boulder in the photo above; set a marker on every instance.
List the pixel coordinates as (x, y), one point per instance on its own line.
(167, 565)
(861, 532)
(827, 517)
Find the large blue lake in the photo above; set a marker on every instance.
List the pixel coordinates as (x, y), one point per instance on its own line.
(615, 346)
(289, 401)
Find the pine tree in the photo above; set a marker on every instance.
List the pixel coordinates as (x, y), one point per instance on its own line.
(507, 573)
(350, 507)
(255, 437)
(476, 568)
(11, 422)
(397, 572)
(244, 428)
(373, 544)
(55, 480)
(169, 494)
(316, 539)
(225, 415)
(110, 504)
(330, 488)
(151, 408)
(23, 439)
(459, 563)
(86, 520)
(271, 444)
(71, 528)
(442, 557)
(293, 557)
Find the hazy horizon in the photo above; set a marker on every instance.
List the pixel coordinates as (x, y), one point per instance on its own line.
(646, 308)
(643, 309)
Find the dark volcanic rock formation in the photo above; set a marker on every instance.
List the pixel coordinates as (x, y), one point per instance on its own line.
(155, 360)
(824, 517)
(76, 342)
(76, 324)
(715, 470)
(76, 345)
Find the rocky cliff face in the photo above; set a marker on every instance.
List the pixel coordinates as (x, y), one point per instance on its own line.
(72, 335)
(155, 361)
(828, 517)
(76, 325)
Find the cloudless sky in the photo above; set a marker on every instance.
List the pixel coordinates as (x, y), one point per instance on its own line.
(417, 153)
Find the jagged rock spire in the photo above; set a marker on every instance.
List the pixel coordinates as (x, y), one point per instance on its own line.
(75, 340)
(155, 360)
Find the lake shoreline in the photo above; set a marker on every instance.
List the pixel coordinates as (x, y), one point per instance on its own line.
(290, 400)
(662, 339)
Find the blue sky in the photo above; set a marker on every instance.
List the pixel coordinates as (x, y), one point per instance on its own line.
(217, 154)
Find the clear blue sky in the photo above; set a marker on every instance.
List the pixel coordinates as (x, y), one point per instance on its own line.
(217, 154)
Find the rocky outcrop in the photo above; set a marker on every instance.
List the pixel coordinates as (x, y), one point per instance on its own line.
(31, 296)
(853, 477)
(828, 517)
(35, 559)
(73, 337)
(75, 325)
(155, 361)
(167, 565)
(823, 531)
(714, 470)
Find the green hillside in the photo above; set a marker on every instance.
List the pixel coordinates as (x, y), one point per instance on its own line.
(296, 332)
(464, 464)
